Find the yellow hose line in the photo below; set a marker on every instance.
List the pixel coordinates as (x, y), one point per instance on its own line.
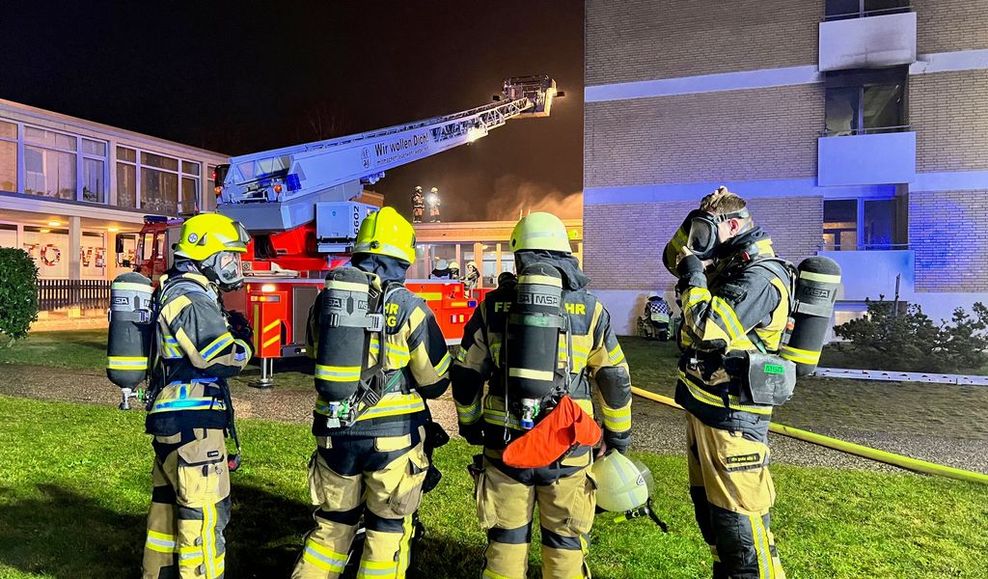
(906, 462)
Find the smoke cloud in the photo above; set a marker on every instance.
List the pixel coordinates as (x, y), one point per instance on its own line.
(514, 196)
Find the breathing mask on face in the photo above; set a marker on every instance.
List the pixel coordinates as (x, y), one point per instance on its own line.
(702, 239)
(225, 269)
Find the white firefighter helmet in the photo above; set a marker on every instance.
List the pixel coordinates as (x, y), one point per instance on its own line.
(622, 484)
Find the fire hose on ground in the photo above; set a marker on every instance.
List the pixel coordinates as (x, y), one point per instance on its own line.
(901, 461)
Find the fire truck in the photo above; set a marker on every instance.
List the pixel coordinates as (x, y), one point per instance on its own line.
(303, 205)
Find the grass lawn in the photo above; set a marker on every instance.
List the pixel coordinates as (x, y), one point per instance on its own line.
(74, 493)
(70, 349)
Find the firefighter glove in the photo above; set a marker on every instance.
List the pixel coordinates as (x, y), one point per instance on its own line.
(473, 433)
(689, 266)
(240, 327)
(619, 441)
(690, 270)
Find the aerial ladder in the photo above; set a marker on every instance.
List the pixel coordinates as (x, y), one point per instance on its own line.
(302, 206)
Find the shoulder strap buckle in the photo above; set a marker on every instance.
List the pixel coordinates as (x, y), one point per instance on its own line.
(375, 323)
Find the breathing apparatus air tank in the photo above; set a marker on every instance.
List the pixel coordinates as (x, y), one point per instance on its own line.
(817, 283)
(532, 339)
(343, 338)
(129, 340)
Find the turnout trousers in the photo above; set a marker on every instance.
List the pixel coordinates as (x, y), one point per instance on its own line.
(732, 494)
(379, 478)
(506, 498)
(190, 506)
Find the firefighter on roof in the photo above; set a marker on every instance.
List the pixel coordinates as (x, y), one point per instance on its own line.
(418, 205)
(432, 200)
(544, 346)
(379, 355)
(189, 409)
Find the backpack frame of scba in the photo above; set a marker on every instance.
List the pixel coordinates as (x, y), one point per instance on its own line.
(351, 315)
(533, 379)
(770, 379)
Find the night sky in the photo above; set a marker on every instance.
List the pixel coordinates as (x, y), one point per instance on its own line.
(247, 76)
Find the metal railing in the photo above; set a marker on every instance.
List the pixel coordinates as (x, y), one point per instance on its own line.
(87, 294)
(862, 13)
(866, 131)
(863, 247)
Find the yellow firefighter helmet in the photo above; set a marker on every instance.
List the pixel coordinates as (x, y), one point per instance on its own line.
(540, 230)
(207, 234)
(622, 484)
(386, 232)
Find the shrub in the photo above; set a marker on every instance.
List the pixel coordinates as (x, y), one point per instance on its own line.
(906, 339)
(963, 343)
(18, 294)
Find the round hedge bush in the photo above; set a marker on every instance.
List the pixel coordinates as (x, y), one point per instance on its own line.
(18, 294)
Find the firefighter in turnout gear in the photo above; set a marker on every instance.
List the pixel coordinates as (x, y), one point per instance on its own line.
(472, 279)
(735, 298)
(418, 205)
(580, 359)
(374, 462)
(189, 408)
(433, 201)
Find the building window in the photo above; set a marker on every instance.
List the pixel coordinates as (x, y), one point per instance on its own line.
(159, 191)
(168, 185)
(843, 9)
(8, 235)
(861, 224)
(190, 194)
(8, 157)
(191, 186)
(93, 171)
(49, 248)
(865, 103)
(50, 163)
(92, 255)
(54, 161)
(126, 178)
(840, 225)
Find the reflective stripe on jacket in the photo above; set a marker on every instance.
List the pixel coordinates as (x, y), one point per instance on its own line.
(196, 352)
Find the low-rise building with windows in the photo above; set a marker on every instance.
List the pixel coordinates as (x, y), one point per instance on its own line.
(857, 129)
(69, 188)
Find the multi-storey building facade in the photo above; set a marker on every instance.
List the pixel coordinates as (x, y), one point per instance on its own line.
(857, 129)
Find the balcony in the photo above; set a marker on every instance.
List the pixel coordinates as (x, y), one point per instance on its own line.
(866, 158)
(870, 274)
(877, 40)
